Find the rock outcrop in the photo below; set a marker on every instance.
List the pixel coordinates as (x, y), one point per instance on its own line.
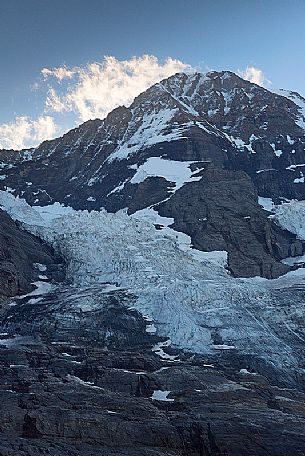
(22, 255)
(234, 222)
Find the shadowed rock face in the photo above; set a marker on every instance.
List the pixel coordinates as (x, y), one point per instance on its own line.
(87, 382)
(234, 223)
(248, 140)
(19, 252)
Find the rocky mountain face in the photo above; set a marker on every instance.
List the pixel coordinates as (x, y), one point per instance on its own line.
(21, 255)
(98, 382)
(232, 139)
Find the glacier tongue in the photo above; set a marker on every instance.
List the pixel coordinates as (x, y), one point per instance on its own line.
(192, 299)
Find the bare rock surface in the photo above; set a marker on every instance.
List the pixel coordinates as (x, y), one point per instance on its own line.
(90, 383)
(21, 256)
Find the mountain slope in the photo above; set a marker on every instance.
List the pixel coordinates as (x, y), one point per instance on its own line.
(150, 346)
(191, 144)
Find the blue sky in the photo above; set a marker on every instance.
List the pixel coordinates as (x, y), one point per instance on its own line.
(220, 34)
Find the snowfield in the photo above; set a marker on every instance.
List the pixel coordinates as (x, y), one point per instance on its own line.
(188, 295)
(173, 171)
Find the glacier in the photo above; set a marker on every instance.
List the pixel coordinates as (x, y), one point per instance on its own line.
(187, 295)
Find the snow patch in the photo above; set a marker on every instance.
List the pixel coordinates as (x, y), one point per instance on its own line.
(158, 349)
(299, 180)
(173, 171)
(266, 203)
(291, 261)
(223, 347)
(159, 395)
(151, 131)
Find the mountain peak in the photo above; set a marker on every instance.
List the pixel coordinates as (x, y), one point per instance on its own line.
(191, 137)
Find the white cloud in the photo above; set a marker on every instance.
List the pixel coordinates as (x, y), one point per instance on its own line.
(101, 86)
(59, 73)
(87, 92)
(24, 132)
(254, 75)
(53, 101)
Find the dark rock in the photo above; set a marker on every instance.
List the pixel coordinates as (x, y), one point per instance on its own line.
(63, 391)
(19, 251)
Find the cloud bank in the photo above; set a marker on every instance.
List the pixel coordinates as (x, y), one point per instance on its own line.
(98, 88)
(24, 132)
